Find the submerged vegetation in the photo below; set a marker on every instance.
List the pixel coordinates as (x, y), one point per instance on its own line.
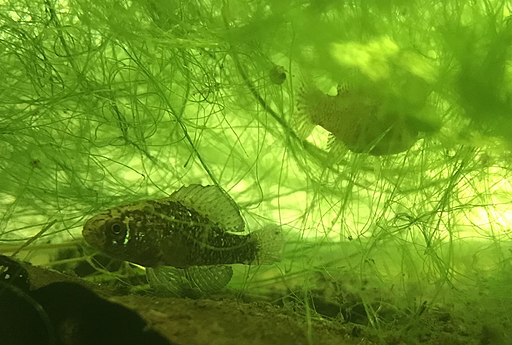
(106, 103)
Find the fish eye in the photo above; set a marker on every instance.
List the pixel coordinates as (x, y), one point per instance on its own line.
(117, 229)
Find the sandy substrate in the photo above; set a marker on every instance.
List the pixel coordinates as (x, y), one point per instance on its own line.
(231, 319)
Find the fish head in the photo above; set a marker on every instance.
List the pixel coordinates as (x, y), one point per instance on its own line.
(122, 233)
(109, 234)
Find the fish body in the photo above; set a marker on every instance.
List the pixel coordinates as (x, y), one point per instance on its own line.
(358, 119)
(195, 226)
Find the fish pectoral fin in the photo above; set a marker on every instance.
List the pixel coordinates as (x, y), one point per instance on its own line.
(212, 202)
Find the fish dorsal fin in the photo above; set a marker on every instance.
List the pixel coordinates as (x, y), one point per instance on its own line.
(342, 89)
(331, 141)
(212, 202)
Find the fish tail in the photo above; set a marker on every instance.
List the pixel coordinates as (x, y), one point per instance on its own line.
(270, 242)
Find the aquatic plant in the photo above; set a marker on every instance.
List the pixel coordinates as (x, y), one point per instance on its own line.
(109, 103)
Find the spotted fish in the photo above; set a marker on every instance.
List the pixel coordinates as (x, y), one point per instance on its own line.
(359, 119)
(196, 226)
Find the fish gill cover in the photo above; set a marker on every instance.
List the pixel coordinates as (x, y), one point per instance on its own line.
(375, 134)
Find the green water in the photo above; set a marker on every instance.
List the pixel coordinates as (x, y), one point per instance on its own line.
(106, 103)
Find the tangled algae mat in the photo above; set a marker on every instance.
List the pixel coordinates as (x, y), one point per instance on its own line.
(110, 102)
(229, 319)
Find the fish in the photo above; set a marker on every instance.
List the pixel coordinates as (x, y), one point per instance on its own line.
(359, 119)
(195, 226)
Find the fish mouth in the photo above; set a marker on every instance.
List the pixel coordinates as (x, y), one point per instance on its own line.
(93, 233)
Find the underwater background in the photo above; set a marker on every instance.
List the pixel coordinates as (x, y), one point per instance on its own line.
(104, 103)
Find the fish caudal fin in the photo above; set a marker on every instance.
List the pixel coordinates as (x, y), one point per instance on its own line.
(270, 244)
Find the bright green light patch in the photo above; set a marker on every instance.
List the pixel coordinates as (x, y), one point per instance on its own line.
(371, 58)
(319, 137)
(418, 65)
(494, 220)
